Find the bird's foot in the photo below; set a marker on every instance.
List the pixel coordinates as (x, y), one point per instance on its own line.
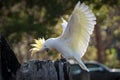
(63, 59)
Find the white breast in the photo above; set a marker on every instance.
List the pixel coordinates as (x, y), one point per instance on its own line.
(63, 48)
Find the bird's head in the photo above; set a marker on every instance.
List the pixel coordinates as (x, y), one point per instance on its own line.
(41, 45)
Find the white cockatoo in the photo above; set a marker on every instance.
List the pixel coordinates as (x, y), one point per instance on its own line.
(74, 40)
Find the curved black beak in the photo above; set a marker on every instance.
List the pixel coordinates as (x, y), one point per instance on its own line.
(47, 49)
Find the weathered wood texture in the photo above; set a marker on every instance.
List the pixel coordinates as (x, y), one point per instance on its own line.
(44, 70)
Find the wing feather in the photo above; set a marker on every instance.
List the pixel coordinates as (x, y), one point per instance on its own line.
(64, 25)
(79, 28)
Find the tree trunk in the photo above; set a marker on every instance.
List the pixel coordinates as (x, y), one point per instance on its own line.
(8, 61)
(0, 60)
(99, 44)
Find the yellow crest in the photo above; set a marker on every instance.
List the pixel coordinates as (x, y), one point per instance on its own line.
(38, 43)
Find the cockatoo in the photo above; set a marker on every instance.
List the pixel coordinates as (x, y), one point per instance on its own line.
(74, 40)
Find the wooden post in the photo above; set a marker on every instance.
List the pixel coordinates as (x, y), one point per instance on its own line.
(44, 70)
(11, 69)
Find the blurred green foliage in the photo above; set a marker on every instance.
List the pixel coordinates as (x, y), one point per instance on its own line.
(23, 20)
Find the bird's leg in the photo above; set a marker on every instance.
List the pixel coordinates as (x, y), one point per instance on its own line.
(62, 58)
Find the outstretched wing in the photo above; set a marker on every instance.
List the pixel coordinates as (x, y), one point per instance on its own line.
(79, 28)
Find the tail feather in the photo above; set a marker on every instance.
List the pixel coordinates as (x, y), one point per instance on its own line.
(81, 64)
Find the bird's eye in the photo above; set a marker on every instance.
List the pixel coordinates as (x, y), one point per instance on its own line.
(46, 49)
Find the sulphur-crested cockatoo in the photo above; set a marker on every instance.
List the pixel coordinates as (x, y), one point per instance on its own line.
(73, 42)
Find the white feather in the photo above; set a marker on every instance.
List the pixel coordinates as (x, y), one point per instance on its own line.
(79, 28)
(64, 25)
(75, 37)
